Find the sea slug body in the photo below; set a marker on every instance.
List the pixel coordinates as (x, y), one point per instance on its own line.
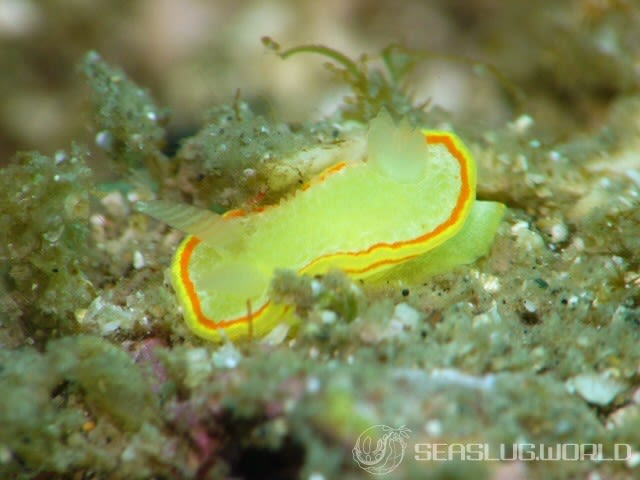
(414, 191)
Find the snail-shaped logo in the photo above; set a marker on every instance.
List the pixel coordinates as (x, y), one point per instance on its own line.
(380, 449)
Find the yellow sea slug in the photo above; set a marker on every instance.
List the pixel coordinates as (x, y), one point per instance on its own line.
(413, 192)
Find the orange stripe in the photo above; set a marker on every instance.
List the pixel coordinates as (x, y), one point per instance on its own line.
(237, 212)
(188, 249)
(324, 175)
(190, 289)
(373, 266)
(463, 198)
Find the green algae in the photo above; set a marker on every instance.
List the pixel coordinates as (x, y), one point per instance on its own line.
(129, 126)
(44, 241)
(48, 398)
(372, 89)
(107, 378)
(239, 155)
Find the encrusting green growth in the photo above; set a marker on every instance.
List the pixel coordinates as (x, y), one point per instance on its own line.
(129, 124)
(107, 377)
(48, 397)
(44, 214)
(240, 154)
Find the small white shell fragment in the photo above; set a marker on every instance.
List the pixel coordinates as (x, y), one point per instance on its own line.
(490, 283)
(138, 260)
(313, 385)
(491, 316)
(328, 317)
(115, 204)
(404, 317)
(109, 327)
(525, 237)
(249, 172)
(522, 124)
(60, 156)
(559, 233)
(316, 287)
(104, 139)
(530, 306)
(227, 356)
(433, 428)
(555, 156)
(595, 388)
(107, 318)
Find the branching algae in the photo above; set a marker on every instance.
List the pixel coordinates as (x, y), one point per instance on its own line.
(414, 191)
(387, 87)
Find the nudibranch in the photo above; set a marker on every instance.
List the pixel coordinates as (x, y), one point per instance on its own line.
(412, 192)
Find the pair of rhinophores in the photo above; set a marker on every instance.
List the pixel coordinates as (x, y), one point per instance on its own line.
(410, 200)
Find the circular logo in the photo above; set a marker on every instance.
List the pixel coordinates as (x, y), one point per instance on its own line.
(380, 449)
